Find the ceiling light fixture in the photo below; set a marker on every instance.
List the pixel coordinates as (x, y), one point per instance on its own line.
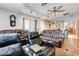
(43, 4)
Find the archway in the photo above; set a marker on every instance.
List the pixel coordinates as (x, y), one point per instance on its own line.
(77, 28)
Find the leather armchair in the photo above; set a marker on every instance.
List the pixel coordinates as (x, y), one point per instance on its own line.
(10, 45)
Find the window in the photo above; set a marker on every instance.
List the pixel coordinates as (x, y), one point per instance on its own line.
(29, 25)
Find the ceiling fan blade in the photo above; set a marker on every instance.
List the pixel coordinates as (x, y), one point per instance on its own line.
(50, 10)
(53, 10)
(59, 7)
(49, 13)
(60, 10)
(66, 14)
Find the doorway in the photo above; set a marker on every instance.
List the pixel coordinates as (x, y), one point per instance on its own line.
(77, 28)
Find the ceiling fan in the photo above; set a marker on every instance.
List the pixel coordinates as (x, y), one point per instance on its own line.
(55, 10)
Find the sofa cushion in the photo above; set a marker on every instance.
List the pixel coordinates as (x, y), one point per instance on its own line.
(8, 39)
(10, 50)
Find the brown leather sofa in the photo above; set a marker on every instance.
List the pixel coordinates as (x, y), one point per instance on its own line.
(22, 33)
(53, 36)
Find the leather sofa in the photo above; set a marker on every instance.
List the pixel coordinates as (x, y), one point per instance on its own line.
(34, 38)
(22, 33)
(53, 36)
(10, 45)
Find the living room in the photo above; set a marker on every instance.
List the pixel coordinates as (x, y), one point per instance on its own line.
(39, 29)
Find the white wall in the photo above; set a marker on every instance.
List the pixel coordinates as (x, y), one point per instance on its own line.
(70, 20)
(42, 25)
(5, 20)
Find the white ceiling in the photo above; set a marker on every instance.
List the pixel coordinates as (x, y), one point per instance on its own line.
(41, 11)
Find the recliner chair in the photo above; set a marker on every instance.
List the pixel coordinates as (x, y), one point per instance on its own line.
(53, 35)
(34, 38)
(10, 45)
